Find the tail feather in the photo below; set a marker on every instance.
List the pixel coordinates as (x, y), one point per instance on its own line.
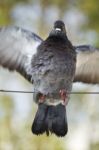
(39, 126)
(50, 118)
(60, 126)
(56, 120)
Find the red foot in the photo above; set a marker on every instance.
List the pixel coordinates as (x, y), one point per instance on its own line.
(41, 98)
(63, 95)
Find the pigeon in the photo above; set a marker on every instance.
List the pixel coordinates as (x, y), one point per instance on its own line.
(52, 66)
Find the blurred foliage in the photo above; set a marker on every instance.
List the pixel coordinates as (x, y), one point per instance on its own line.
(95, 146)
(5, 7)
(91, 10)
(61, 4)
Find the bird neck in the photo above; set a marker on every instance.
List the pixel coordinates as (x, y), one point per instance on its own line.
(57, 34)
(57, 38)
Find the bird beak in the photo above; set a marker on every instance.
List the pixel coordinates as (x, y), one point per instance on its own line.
(57, 29)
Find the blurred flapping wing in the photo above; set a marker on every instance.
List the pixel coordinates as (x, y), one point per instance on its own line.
(17, 46)
(87, 67)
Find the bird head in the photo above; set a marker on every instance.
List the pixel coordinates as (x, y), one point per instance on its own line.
(59, 26)
(58, 29)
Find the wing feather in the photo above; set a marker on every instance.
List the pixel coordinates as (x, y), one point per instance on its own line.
(87, 67)
(17, 47)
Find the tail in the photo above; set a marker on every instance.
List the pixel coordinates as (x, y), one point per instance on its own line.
(56, 120)
(50, 118)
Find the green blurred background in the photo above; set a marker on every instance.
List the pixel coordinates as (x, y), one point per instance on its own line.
(17, 110)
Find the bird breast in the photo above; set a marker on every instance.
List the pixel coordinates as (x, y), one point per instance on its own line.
(52, 71)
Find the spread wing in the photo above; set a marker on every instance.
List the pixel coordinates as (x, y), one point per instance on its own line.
(87, 67)
(17, 46)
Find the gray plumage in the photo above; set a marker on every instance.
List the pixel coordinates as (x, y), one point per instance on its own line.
(50, 65)
(17, 46)
(53, 67)
(87, 64)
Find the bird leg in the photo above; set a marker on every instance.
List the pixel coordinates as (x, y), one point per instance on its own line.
(41, 98)
(63, 95)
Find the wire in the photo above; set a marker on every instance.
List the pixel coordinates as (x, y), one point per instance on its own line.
(17, 91)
